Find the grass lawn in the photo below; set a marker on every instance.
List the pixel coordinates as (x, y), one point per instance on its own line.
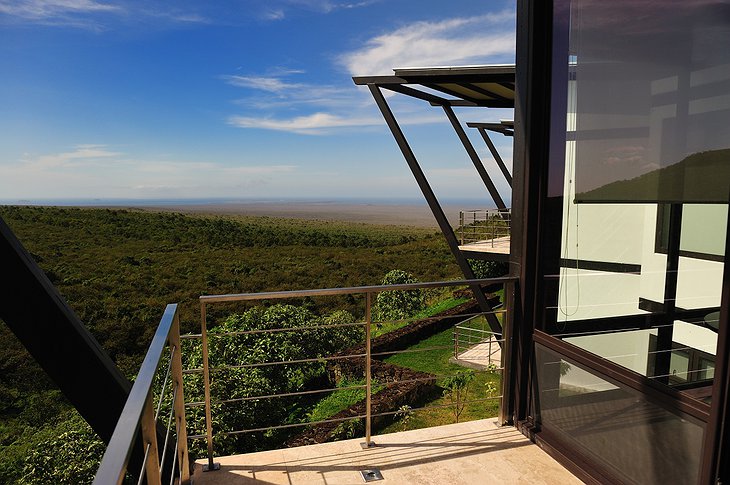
(429, 311)
(485, 385)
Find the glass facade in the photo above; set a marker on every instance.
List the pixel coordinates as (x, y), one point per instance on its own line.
(652, 100)
(635, 438)
(641, 220)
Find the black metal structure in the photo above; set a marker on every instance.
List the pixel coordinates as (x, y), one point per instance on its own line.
(540, 138)
(507, 128)
(55, 337)
(487, 87)
(64, 348)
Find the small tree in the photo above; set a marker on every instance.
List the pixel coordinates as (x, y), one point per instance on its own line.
(456, 388)
(398, 305)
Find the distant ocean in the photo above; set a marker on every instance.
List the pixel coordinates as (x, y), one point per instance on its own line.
(90, 202)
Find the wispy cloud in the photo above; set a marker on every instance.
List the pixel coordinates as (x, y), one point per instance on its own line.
(95, 15)
(313, 124)
(82, 154)
(43, 9)
(308, 108)
(447, 42)
(276, 14)
(328, 6)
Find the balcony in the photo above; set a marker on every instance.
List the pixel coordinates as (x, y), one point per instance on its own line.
(464, 453)
(485, 231)
(206, 398)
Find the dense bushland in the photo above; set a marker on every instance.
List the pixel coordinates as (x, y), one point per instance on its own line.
(118, 268)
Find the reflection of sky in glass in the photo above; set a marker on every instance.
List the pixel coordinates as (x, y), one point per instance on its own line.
(653, 88)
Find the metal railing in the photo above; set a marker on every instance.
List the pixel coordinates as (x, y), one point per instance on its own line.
(484, 226)
(365, 353)
(476, 344)
(141, 414)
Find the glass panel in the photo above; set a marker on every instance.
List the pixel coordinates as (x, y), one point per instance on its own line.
(619, 293)
(637, 439)
(652, 100)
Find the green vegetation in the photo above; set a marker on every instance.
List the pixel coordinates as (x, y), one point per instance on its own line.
(118, 268)
(485, 385)
(238, 385)
(397, 305)
(441, 303)
(456, 389)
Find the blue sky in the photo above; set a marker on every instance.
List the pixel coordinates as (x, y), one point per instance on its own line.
(235, 99)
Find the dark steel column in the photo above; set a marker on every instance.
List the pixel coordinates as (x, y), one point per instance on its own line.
(433, 204)
(666, 330)
(474, 157)
(715, 467)
(533, 211)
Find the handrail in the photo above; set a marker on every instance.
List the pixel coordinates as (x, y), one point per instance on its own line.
(368, 292)
(139, 412)
(271, 295)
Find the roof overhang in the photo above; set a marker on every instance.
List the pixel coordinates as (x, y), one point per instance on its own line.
(486, 86)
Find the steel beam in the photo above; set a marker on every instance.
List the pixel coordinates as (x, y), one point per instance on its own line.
(495, 154)
(433, 204)
(55, 337)
(474, 158)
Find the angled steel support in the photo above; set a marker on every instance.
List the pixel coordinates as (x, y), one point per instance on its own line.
(474, 158)
(495, 154)
(52, 333)
(433, 203)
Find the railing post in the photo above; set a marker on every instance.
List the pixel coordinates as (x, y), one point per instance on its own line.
(456, 341)
(177, 385)
(505, 416)
(206, 384)
(461, 226)
(368, 377)
(149, 439)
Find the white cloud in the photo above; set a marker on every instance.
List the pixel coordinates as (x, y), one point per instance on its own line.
(447, 42)
(316, 109)
(95, 15)
(96, 171)
(83, 154)
(276, 14)
(313, 124)
(40, 9)
(327, 6)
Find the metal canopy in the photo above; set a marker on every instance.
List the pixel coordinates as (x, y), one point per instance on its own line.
(486, 86)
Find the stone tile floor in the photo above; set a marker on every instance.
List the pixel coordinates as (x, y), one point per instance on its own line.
(475, 452)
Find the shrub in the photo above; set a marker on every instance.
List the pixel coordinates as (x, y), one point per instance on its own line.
(398, 305)
(488, 269)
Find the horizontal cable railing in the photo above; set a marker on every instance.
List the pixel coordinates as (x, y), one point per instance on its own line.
(365, 359)
(142, 415)
(486, 226)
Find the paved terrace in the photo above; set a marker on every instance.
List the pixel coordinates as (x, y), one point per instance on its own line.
(498, 245)
(476, 452)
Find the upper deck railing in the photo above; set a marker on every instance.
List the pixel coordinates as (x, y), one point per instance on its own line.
(484, 226)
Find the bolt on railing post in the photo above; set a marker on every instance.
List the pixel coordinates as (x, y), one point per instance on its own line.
(206, 385)
(177, 385)
(368, 377)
